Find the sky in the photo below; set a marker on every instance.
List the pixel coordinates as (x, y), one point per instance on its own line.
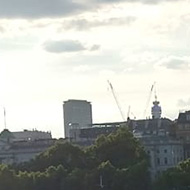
(52, 51)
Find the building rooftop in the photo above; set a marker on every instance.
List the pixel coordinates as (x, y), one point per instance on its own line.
(184, 117)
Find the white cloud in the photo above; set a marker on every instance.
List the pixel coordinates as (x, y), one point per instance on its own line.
(82, 68)
(95, 47)
(85, 24)
(184, 103)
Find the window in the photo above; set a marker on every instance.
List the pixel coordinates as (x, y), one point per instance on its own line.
(165, 161)
(188, 117)
(158, 161)
(165, 150)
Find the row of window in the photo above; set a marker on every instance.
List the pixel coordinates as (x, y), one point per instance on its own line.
(185, 126)
(165, 160)
(166, 151)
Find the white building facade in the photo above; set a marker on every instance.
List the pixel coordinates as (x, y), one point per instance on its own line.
(163, 153)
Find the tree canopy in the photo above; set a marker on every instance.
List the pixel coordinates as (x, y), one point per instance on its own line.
(116, 161)
(175, 178)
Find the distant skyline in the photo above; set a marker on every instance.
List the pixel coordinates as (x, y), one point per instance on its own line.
(53, 51)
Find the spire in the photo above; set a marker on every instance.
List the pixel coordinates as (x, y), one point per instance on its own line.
(156, 109)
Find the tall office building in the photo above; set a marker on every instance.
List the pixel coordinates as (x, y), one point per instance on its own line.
(77, 114)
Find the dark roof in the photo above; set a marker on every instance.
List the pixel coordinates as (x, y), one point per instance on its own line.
(159, 140)
(6, 134)
(109, 124)
(150, 124)
(182, 118)
(94, 132)
(146, 126)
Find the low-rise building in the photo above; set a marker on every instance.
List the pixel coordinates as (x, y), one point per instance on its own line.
(22, 147)
(181, 130)
(31, 135)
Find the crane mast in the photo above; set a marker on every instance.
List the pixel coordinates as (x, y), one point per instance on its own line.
(149, 97)
(116, 100)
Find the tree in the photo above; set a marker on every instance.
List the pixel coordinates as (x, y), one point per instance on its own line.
(7, 178)
(176, 178)
(120, 148)
(65, 154)
(116, 161)
(123, 163)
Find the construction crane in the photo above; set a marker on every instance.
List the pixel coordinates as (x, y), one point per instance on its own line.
(148, 100)
(116, 100)
(128, 112)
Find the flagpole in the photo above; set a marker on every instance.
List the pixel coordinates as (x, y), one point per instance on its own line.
(5, 125)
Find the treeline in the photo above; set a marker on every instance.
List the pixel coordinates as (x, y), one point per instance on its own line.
(114, 162)
(177, 178)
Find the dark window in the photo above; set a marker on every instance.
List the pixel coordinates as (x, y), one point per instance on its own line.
(166, 161)
(158, 161)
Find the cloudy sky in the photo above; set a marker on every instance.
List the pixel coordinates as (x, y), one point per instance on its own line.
(52, 51)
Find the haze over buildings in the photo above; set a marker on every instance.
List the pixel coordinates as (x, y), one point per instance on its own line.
(59, 50)
(166, 142)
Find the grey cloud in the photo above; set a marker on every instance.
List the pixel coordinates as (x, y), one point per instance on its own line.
(38, 9)
(63, 46)
(83, 24)
(66, 46)
(32, 9)
(133, 1)
(176, 63)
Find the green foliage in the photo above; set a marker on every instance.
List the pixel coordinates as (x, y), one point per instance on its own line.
(118, 158)
(175, 178)
(120, 148)
(65, 154)
(7, 178)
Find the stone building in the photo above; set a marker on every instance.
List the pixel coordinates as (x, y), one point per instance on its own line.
(23, 146)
